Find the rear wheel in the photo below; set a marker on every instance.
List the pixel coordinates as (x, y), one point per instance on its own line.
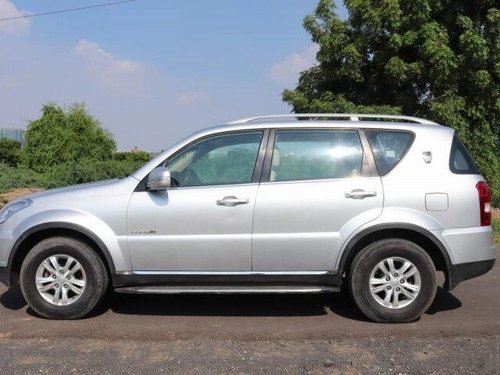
(392, 280)
(63, 278)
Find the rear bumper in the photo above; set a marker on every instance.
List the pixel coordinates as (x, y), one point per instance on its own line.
(465, 271)
(468, 245)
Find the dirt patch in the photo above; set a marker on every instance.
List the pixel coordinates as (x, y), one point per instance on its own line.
(16, 193)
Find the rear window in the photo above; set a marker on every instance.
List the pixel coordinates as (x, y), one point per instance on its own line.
(388, 147)
(460, 160)
(316, 154)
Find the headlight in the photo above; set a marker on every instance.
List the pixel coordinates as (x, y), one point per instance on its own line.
(12, 208)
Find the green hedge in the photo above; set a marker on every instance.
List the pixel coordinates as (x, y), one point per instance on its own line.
(20, 177)
(65, 174)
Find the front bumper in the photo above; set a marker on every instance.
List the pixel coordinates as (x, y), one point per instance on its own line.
(465, 271)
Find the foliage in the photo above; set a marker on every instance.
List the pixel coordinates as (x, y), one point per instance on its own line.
(10, 152)
(65, 135)
(132, 156)
(87, 171)
(438, 59)
(496, 229)
(20, 177)
(64, 147)
(64, 174)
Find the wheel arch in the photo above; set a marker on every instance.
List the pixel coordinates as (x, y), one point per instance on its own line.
(43, 231)
(422, 237)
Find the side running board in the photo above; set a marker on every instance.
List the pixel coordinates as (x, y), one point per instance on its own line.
(228, 289)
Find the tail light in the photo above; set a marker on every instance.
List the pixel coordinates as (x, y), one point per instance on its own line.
(484, 193)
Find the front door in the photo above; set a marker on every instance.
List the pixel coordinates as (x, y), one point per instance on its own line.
(204, 222)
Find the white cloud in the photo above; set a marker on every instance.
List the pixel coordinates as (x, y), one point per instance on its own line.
(16, 26)
(288, 69)
(167, 107)
(108, 71)
(193, 98)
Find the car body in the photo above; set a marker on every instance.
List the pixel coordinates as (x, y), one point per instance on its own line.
(267, 204)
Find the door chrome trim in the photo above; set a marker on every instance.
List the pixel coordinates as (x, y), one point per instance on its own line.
(234, 273)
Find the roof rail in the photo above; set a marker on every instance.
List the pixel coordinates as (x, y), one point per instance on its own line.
(350, 116)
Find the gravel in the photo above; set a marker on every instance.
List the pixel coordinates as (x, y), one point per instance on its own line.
(394, 355)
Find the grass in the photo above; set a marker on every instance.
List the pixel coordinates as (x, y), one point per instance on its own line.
(496, 230)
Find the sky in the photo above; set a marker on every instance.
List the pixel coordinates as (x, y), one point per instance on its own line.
(153, 71)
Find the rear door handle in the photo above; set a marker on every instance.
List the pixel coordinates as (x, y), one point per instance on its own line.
(360, 194)
(231, 201)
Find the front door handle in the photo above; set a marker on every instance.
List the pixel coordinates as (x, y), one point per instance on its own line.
(360, 194)
(231, 201)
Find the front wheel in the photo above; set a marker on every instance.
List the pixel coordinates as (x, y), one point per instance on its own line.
(63, 278)
(392, 280)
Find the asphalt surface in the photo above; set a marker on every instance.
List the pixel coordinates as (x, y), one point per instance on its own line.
(256, 334)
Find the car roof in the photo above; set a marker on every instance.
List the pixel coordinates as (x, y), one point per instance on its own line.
(338, 124)
(329, 120)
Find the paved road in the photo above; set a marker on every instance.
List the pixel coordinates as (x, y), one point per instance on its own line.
(468, 318)
(472, 309)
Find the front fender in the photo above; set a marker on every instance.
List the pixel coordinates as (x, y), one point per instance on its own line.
(114, 247)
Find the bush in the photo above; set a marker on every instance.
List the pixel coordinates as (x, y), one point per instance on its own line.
(131, 156)
(87, 171)
(66, 135)
(64, 174)
(10, 152)
(496, 229)
(21, 177)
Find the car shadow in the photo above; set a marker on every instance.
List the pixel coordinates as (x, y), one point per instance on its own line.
(13, 299)
(443, 301)
(219, 305)
(231, 305)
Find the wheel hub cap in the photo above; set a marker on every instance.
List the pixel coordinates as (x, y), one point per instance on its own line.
(395, 282)
(60, 280)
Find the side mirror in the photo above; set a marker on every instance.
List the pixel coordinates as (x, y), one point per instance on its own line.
(159, 179)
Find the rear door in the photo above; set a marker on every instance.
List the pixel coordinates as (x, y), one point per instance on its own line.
(316, 183)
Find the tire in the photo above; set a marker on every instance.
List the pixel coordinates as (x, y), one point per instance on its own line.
(368, 273)
(84, 286)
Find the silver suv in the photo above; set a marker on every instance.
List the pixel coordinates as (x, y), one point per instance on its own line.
(278, 204)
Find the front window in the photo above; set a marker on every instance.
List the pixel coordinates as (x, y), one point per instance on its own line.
(218, 160)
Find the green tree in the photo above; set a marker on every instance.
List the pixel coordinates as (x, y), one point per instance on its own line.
(438, 59)
(63, 135)
(10, 152)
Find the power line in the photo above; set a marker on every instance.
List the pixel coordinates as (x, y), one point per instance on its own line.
(66, 10)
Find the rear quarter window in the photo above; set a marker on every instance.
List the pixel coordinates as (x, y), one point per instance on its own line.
(388, 147)
(460, 160)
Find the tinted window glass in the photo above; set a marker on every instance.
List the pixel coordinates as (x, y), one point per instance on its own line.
(316, 154)
(388, 148)
(460, 160)
(218, 160)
